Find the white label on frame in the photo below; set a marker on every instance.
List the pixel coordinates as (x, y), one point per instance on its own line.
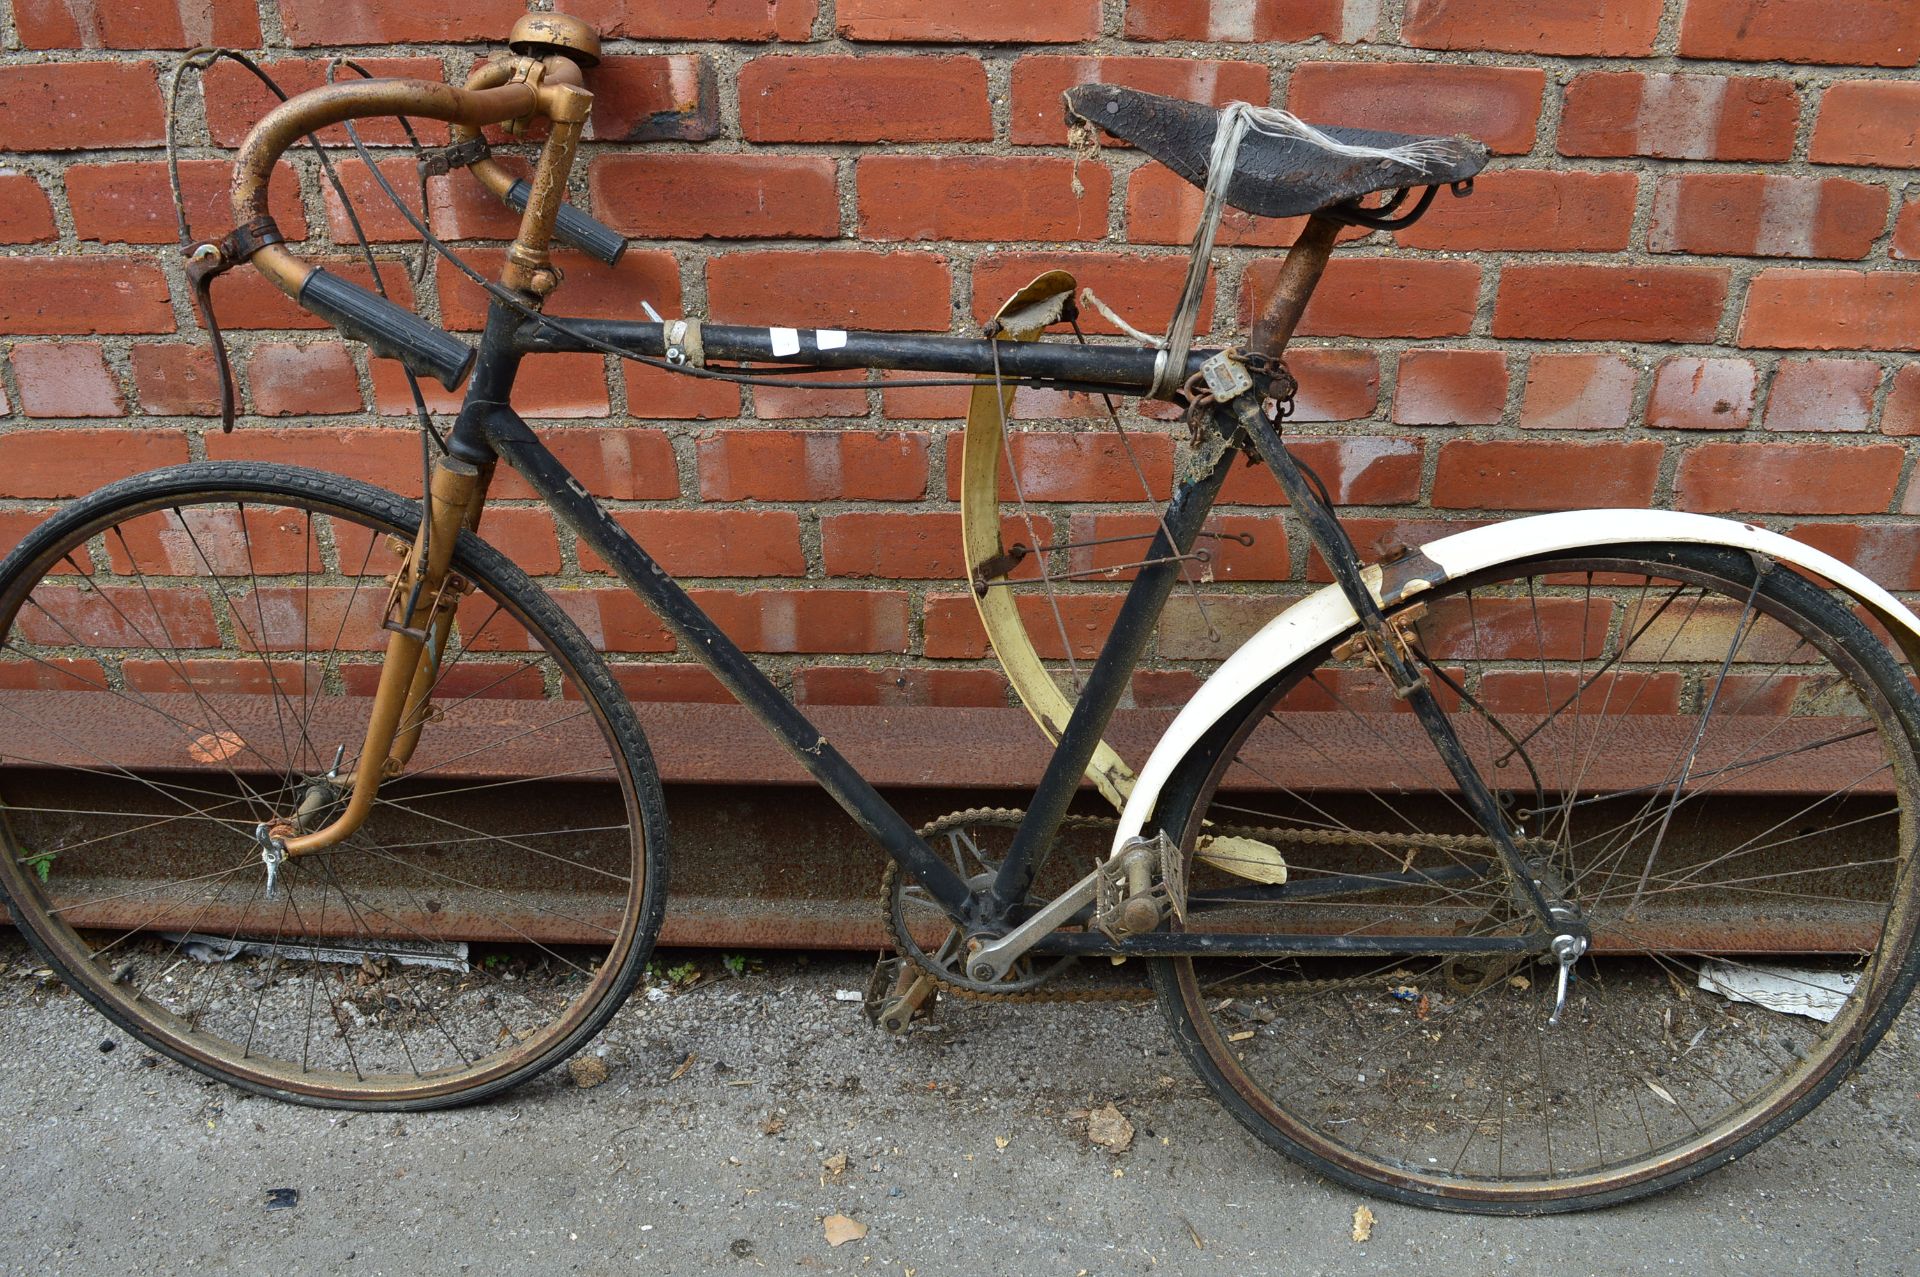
(831, 338)
(786, 341)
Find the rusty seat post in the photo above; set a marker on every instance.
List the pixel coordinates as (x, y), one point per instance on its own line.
(1305, 262)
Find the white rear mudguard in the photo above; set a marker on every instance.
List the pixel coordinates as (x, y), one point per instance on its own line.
(1326, 615)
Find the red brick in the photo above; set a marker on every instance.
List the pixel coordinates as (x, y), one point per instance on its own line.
(1164, 208)
(16, 524)
(1189, 633)
(1832, 310)
(1583, 302)
(310, 22)
(461, 208)
(923, 545)
(1679, 117)
(1142, 290)
(216, 539)
(1537, 692)
(614, 620)
(72, 463)
(657, 394)
(1223, 541)
(1039, 118)
(1901, 416)
(388, 456)
(1613, 29)
(704, 543)
(1788, 478)
(914, 197)
(1766, 215)
(969, 21)
(1499, 106)
(1079, 466)
(664, 98)
(291, 381)
(699, 19)
(650, 683)
(1377, 297)
(892, 292)
(590, 290)
(810, 620)
(899, 686)
(1241, 22)
(1451, 388)
(136, 24)
(121, 616)
(1378, 538)
(380, 221)
(835, 393)
(1164, 689)
(523, 535)
(66, 379)
(1855, 33)
(62, 106)
(954, 633)
(572, 385)
(1531, 210)
(1889, 553)
(812, 465)
(1868, 122)
(1906, 234)
(1335, 384)
(681, 196)
(903, 398)
(625, 464)
(1357, 469)
(864, 99)
(247, 299)
(175, 381)
(26, 216)
(1539, 475)
(78, 295)
(1823, 394)
(236, 100)
(131, 203)
(1578, 392)
(1702, 394)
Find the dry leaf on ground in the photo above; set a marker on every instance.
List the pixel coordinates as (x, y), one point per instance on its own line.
(835, 1165)
(587, 1070)
(841, 1230)
(1108, 1127)
(1362, 1223)
(774, 1124)
(680, 1070)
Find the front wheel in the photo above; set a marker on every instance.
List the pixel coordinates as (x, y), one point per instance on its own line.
(1709, 754)
(188, 657)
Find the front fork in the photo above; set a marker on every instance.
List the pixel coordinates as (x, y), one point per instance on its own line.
(419, 618)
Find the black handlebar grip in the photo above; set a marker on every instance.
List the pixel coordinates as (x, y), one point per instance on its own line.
(389, 329)
(574, 228)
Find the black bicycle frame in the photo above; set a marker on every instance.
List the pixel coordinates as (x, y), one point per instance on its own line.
(488, 427)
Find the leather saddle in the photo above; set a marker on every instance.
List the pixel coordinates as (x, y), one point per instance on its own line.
(1273, 176)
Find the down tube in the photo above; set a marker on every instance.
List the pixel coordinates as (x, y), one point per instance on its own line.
(515, 441)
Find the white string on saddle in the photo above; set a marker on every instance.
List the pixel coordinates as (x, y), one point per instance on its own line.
(1236, 120)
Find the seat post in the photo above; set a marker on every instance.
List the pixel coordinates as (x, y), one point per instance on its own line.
(1301, 271)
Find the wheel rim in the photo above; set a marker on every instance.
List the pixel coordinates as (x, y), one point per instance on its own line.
(178, 671)
(1466, 1093)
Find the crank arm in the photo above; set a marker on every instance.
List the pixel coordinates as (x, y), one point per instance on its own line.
(991, 962)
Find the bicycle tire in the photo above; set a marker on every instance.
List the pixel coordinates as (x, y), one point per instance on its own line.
(148, 651)
(1439, 1083)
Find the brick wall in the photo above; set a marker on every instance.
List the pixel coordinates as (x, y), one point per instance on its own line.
(1687, 281)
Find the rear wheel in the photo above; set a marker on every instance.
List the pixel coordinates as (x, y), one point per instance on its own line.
(1718, 762)
(190, 655)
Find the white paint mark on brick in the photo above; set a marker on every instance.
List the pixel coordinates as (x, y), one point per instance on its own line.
(779, 630)
(1358, 19)
(1789, 210)
(1680, 115)
(86, 19)
(820, 451)
(683, 80)
(1663, 233)
(196, 20)
(1205, 81)
(1232, 20)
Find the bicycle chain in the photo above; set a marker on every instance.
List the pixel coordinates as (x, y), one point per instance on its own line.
(1010, 818)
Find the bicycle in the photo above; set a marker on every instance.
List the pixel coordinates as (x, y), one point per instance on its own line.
(430, 844)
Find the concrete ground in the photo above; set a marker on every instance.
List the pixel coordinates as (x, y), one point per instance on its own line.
(714, 1143)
